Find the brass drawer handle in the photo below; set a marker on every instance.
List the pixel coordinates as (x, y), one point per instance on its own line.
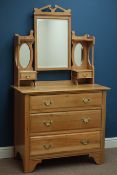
(86, 100)
(47, 123)
(85, 120)
(47, 147)
(27, 76)
(47, 102)
(85, 75)
(84, 142)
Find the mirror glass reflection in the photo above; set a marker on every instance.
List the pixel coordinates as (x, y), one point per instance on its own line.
(78, 54)
(52, 43)
(24, 55)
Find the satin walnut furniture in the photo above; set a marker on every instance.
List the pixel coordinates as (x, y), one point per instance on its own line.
(56, 118)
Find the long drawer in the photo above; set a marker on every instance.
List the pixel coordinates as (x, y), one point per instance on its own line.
(44, 103)
(59, 121)
(46, 145)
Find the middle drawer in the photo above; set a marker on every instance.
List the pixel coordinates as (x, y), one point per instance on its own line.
(60, 121)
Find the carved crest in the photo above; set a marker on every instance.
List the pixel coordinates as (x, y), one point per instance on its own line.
(49, 10)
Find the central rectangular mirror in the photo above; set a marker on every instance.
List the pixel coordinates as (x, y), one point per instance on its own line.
(52, 41)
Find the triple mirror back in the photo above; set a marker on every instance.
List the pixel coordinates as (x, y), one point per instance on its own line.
(52, 46)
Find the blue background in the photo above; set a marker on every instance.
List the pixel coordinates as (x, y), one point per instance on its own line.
(97, 17)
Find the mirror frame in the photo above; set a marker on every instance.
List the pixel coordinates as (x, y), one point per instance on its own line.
(49, 12)
(19, 40)
(87, 42)
(21, 75)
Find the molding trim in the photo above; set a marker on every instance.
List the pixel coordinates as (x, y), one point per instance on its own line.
(7, 152)
(111, 142)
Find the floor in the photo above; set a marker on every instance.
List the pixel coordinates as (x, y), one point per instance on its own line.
(81, 165)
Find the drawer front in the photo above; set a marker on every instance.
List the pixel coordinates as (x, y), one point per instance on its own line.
(60, 121)
(85, 74)
(45, 145)
(28, 75)
(43, 103)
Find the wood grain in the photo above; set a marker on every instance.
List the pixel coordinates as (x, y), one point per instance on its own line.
(45, 145)
(61, 121)
(41, 103)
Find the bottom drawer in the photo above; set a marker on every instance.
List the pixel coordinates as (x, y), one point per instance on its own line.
(41, 145)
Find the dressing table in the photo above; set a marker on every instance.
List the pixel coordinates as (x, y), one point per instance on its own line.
(56, 118)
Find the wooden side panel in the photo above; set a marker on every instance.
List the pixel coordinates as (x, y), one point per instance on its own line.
(21, 127)
(19, 124)
(103, 126)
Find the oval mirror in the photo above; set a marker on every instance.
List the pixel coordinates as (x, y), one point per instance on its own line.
(24, 55)
(78, 54)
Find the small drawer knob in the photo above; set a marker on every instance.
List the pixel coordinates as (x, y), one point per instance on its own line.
(47, 146)
(48, 123)
(86, 100)
(27, 76)
(47, 102)
(85, 75)
(85, 120)
(84, 142)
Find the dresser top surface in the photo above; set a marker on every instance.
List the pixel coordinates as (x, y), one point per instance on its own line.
(58, 87)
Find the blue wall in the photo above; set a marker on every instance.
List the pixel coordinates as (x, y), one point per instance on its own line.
(93, 17)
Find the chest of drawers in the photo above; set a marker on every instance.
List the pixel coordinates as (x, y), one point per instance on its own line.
(59, 121)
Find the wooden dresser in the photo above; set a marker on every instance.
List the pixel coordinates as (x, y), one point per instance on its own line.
(59, 119)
